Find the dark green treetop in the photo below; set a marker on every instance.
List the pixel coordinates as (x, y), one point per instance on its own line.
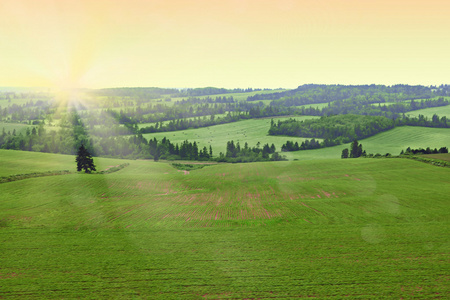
(84, 160)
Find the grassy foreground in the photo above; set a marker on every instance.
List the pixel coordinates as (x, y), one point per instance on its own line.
(361, 228)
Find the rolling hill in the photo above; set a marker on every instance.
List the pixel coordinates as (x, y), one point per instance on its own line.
(361, 228)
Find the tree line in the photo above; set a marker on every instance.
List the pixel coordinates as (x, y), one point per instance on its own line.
(236, 153)
(73, 135)
(427, 150)
(317, 93)
(338, 129)
(206, 121)
(341, 129)
(305, 145)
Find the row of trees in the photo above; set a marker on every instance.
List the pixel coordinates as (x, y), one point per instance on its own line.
(30, 112)
(69, 140)
(428, 150)
(183, 124)
(305, 145)
(336, 129)
(362, 106)
(236, 153)
(341, 129)
(316, 93)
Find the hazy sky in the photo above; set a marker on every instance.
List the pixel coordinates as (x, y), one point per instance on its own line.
(225, 43)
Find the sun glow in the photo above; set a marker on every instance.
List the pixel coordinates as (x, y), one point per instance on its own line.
(265, 43)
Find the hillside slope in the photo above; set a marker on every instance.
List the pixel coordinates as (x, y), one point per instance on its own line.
(326, 228)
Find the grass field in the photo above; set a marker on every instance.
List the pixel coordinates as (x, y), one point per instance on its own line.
(442, 111)
(236, 96)
(409, 101)
(20, 128)
(253, 131)
(18, 101)
(23, 162)
(440, 156)
(316, 105)
(361, 228)
(250, 131)
(392, 141)
(142, 125)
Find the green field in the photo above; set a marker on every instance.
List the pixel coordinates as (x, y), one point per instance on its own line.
(143, 125)
(14, 162)
(409, 101)
(316, 105)
(18, 101)
(20, 128)
(255, 130)
(392, 141)
(440, 156)
(236, 96)
(360, 228)
(313, 226)
(441, 111)
(250, 131)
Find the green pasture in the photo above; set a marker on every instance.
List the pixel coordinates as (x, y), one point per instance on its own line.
(409, 101)
(250, 131)
(441, 111)
(18, 101)
(255, 130)
(236, 96)
(358, 228)
(316, 105)
(388, 103)
(14, 162)
(440, 156)
(142, 125)
(392, 141)
(20, 128)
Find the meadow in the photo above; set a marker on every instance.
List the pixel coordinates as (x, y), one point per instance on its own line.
(143, 125)
(360, 228)
(256, 130)
(316, 105)
(15, 101)
(409, 101)
(250, 131)
(314, 226)
(24, 162)
(236, 96)
(441, 111)
(392, 141)
(20, 128)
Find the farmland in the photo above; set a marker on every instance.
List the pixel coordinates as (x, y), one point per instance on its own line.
(362, 228)
(429, 112)
(313, 226)
(392, 141)
(253, 131)
(14, 126)
(250, 131)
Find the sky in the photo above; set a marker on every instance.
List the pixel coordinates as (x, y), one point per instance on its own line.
(225, 43)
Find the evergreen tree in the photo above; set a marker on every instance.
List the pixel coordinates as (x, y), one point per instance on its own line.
(355, 149)
(84, 160)
(344, 153)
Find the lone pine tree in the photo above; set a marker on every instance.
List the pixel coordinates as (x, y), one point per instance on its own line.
(84, 160)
